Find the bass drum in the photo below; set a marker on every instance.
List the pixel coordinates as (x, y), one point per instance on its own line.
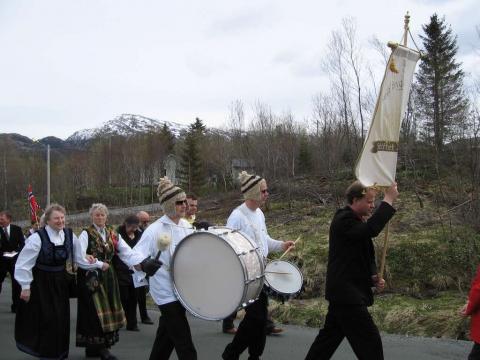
(217, 272)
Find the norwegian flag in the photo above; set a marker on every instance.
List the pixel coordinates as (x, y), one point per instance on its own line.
(34, 207)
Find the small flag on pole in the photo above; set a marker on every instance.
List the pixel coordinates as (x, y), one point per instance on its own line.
(34, 207)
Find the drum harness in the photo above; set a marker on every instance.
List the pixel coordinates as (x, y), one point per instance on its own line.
(257, 235)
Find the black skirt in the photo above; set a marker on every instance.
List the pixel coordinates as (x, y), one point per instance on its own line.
(42, 326)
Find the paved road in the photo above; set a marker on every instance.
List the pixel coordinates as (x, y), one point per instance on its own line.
(210, 342)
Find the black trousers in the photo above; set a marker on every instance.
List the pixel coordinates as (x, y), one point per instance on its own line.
(475, 353)
(7, 265)
(353, 322)
(142, 302)
(173, 333)
(228, 324)
(128, 297)
(251, 333)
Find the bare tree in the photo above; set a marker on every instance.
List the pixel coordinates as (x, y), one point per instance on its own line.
(356, 64)
(380, 48)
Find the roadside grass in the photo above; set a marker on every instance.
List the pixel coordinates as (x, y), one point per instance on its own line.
(393, 313)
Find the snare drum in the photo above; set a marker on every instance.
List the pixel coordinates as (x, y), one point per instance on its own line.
(217, 272)
(283, 280)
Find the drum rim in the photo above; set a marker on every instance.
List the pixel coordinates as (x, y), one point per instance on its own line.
(245, 274)
(280, 292)
(253, 243)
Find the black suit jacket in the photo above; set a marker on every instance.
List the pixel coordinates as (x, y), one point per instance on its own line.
(351, 256)
(15, 242)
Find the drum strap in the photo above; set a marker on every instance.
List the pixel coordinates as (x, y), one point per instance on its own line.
(171, 227)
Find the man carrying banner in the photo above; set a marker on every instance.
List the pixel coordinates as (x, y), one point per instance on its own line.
(351, 274)
(351, 270)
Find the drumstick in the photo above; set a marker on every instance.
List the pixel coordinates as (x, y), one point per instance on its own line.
(290, 248)
(277, 272)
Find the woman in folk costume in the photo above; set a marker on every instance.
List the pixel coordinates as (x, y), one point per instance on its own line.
(42, 324)
(100, 314)
(472, 308)
(165, 234)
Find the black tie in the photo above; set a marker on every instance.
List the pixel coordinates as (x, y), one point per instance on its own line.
(5, 230)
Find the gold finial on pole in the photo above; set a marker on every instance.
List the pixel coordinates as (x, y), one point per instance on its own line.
(405, 28)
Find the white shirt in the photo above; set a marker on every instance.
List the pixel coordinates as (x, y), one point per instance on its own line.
(252, 224)
(161, 285)
(7, 230)
(29, 254)
(124, 251)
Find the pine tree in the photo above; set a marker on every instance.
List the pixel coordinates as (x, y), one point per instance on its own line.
(191, 170)
(197, 127)
(304, 156)
(442, 102)
(167, 138)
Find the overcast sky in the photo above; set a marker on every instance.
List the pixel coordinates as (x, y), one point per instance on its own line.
(67, 65)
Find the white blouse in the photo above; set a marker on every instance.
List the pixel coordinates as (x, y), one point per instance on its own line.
(124, 251)
(29, 254)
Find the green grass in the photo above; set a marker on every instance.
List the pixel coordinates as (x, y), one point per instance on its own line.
(393, 313)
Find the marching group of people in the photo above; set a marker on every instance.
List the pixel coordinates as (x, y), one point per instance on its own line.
(114, 266)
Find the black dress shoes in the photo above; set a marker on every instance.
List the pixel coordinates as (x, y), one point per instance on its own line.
(147, 321)
(106, 355)
(92, 351)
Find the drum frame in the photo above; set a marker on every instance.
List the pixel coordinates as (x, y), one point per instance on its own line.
(240, 257)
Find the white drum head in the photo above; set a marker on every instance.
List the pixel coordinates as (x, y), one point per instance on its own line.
(283, 277)
(206, 275)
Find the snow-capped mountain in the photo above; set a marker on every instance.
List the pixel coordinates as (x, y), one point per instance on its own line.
(126, 125)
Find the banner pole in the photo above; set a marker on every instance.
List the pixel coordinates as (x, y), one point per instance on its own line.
(384, 252)
(406, 28)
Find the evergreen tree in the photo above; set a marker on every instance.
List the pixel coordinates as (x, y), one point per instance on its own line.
(442, 102)
(191, 170)
(167, 138)
(197, 127)
(304, 156)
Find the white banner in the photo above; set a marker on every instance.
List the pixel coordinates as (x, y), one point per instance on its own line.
(377, 163)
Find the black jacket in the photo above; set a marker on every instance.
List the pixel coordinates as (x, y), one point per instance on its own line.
(15, 242)
(351, 256)
(124, 274)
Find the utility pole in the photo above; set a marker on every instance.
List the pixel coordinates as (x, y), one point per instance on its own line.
(110, 161)
(48, 175)
(5, 180)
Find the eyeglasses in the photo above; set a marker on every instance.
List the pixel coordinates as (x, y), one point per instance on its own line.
(181, 202)
(264, 191)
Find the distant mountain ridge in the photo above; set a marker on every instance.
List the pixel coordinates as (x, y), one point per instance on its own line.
(126, 125)
(123, 125)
